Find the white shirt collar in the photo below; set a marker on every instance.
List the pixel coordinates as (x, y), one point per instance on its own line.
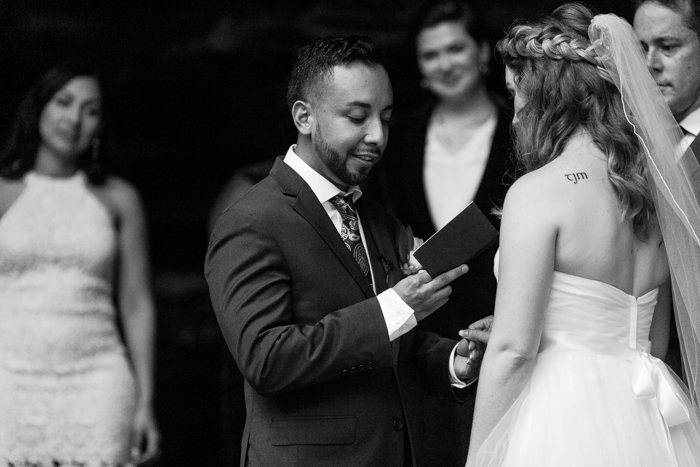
(691, 123)
(320, 185)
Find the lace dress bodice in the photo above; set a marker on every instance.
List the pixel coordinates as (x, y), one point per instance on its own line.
(63, 368)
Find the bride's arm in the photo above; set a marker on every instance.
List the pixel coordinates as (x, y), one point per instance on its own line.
(527, 243)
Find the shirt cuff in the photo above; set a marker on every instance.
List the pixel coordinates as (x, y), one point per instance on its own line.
(398, 316)
(454, 381)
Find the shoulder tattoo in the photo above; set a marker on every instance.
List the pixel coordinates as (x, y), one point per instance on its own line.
(576, 177)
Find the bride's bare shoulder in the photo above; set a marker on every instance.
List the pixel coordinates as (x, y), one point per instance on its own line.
(551, 189)
(528, 197)
(537, 186)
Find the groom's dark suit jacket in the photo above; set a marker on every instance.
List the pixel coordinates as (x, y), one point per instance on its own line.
(695, 146)
(324, 385)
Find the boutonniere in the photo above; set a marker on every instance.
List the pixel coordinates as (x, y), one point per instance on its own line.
(408, 244)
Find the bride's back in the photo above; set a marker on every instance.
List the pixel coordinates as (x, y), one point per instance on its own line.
(562, 96)
(593, 239)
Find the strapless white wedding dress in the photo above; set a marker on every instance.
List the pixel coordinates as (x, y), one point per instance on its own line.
(67, 393)
(596, 397)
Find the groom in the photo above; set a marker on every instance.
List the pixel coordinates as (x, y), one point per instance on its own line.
(304, 275)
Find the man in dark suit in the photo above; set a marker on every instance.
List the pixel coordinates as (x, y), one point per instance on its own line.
(669, 31)
(305, 279)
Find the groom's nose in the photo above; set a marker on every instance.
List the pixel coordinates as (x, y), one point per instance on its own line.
(377, 133)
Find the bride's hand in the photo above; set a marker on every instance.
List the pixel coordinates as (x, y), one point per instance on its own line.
(478, 332)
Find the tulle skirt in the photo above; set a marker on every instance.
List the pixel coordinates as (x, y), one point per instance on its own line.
(581, 409)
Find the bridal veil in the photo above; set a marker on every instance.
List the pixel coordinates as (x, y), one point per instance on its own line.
(675, 176)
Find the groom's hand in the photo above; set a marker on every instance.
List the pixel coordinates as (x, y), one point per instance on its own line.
(425, 294)
(467, 361)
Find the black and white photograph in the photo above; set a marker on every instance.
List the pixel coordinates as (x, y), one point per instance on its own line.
(209, 212)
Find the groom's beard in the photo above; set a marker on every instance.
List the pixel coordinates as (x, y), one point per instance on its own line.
(337, 163)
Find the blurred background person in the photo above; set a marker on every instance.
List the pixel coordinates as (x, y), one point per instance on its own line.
(241, 181)
(451, 150)
(72, 245)
(668, 31)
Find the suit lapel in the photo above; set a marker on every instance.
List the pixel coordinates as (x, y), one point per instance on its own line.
(306, 204)
(695, 175)
(695, 146)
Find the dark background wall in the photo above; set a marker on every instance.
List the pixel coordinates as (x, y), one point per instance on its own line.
(197, 89)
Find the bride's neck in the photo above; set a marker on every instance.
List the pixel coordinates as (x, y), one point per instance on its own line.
(581, 145)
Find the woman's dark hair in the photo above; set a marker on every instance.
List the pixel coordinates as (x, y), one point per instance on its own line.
(434, 13)
(19, 154)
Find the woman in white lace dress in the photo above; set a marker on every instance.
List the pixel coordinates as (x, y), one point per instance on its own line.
(72, 245)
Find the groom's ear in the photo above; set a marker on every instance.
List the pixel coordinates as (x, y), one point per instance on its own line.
(301, 114)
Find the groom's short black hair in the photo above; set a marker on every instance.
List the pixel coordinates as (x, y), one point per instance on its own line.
(316, 60)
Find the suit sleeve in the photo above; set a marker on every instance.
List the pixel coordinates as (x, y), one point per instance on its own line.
(432, 356)
(282, 341)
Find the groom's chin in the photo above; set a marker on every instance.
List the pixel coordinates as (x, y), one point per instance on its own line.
(356, 177)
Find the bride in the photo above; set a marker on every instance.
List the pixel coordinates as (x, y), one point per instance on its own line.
(596, 237)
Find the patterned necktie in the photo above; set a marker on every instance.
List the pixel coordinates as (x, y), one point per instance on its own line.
(350, 232)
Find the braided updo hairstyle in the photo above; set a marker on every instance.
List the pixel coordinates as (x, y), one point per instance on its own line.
(567, 90)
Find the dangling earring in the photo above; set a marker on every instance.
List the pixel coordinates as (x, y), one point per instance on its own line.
(484, 68)
(424, 83)
(95, 149)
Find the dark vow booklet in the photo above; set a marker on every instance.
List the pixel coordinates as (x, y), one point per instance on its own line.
(461, 240)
